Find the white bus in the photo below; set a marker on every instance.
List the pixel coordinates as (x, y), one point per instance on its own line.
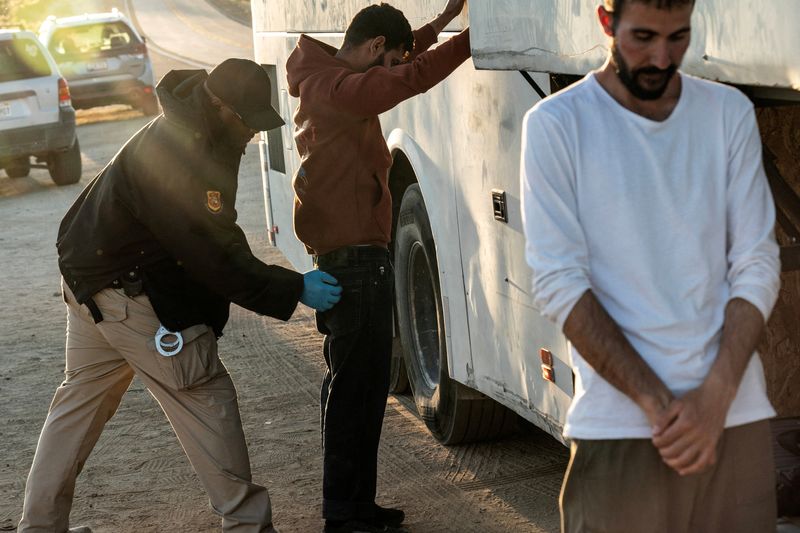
(471, 343)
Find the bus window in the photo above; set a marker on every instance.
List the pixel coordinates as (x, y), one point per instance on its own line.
(275, 137)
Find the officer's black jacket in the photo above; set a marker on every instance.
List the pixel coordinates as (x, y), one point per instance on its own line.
(164, 206)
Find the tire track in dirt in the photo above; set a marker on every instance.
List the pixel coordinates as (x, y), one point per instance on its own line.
(280, 350)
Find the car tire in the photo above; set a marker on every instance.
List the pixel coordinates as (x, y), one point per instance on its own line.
(149, 106)
(18, 168)
(453, 412)
(65, 166)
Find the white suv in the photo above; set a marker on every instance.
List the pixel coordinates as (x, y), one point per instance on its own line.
(103, 58)
(36, 115)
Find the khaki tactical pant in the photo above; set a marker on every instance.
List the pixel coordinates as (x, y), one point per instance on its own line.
(623, 486)
(193, 388)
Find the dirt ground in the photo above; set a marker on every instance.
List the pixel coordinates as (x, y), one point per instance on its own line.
(137, 478)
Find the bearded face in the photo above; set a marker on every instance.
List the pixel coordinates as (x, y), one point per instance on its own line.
(645, 83)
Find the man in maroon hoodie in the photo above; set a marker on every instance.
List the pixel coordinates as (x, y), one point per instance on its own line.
(343, 214)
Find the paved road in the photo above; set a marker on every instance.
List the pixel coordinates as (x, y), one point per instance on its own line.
(191, 29)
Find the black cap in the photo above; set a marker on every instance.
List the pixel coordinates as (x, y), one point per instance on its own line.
(244, 85)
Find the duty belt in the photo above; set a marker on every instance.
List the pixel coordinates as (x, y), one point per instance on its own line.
(130, 282)
(351, 256)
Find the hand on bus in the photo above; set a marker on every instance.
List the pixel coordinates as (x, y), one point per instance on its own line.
(321, 291)
(454, 7)
(451, 11)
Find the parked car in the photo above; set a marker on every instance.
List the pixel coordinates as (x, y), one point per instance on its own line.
(37, 119)
(103, 58)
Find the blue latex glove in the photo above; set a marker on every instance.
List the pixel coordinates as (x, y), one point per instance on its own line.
(321, 291)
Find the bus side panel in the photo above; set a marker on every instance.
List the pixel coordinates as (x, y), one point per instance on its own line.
(271, 49)
(746, 42)
(497, 277)
(469, 128)
(436, 184)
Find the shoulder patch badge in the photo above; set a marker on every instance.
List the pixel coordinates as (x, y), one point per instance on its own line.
(214, 201)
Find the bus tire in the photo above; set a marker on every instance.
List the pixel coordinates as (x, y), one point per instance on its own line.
(453, 413)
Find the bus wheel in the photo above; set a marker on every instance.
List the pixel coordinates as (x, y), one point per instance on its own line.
(453, 413)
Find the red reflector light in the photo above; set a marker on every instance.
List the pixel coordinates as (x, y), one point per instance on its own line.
(64, 98)
(148, 90)
(548, 372)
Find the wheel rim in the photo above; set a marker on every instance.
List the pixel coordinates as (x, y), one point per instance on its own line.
(424, 315)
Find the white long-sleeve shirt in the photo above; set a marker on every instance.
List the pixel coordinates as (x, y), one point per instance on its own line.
(665, 222)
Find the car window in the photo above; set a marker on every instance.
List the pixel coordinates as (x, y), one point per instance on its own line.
(108, 38)
(21, 59)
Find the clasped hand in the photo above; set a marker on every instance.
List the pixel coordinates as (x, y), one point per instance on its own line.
(321, 291)
(687, 432)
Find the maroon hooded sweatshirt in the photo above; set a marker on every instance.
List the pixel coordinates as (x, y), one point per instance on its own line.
(341, 189)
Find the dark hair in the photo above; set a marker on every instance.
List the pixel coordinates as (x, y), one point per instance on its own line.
(617, 6)
(381, 20)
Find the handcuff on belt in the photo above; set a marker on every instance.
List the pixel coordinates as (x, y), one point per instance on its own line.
(166, 346)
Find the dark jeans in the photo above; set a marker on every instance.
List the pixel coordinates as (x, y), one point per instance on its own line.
(358, 346)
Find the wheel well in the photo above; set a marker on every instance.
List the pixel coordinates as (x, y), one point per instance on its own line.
(401, 177)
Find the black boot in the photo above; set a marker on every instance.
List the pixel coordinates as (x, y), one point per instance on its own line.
(389, 516)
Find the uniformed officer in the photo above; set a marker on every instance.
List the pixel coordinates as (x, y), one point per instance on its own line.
(151, 257)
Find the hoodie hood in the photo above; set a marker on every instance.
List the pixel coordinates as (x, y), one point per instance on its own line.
(181, 95)
(310, 57)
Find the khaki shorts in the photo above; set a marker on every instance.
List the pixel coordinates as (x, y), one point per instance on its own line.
(623, 486)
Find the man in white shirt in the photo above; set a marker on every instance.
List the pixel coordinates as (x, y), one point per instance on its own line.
(649, 226)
